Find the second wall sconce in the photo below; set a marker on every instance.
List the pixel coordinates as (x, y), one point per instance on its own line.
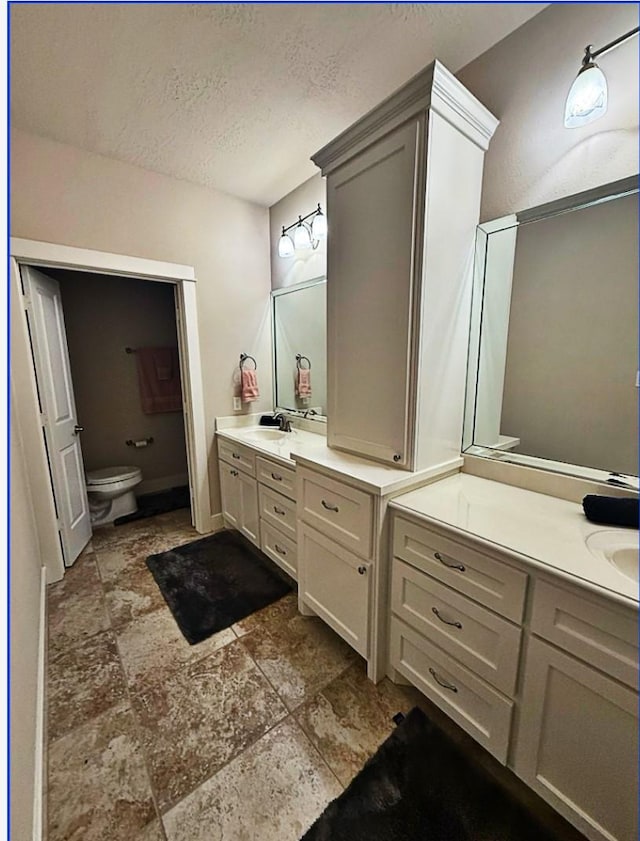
(305, 235)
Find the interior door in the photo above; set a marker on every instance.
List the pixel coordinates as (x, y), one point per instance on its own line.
(58, 410)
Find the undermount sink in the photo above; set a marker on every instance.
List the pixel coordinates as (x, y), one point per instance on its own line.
(267, 435)
(618, 548)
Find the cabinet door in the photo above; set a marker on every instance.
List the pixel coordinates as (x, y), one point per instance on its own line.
(230, 492)
(577, 743)
(372, 257)
(335, 584)
(249, 514)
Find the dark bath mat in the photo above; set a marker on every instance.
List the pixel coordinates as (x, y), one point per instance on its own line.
(211, 583)
(419, 786)
(150, 505)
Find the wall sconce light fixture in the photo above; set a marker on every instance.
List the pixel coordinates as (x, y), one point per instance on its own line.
(588, 96)
(306, 235)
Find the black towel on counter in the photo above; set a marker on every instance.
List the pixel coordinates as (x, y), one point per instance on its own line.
(611, 510)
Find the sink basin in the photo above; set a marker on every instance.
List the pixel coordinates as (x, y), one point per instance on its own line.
(619, 548)
(267, 435)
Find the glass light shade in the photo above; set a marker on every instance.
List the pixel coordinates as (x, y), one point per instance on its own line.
(301, 237)
(285, 246)
(319, 226)
(587, 99)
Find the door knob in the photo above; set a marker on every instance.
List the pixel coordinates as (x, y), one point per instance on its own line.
(77, 429)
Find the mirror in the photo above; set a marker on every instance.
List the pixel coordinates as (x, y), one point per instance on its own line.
(299, 329)
(553, 356)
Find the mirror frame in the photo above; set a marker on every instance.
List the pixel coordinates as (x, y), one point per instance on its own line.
(276, 293)
(566, 204)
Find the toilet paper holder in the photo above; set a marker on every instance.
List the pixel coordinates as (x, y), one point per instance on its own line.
(140, 442)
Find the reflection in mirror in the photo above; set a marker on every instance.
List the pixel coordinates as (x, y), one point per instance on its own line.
(554, 339)
(299, 320)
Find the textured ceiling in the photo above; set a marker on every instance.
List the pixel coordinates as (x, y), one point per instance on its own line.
(232, 96)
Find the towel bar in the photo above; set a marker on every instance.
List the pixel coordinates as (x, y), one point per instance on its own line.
(140, 442)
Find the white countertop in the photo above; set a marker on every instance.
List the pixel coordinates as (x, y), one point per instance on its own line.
(535, 528)
(310, 450)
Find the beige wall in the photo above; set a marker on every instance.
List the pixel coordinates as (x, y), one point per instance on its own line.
(524, 81)
(64, 195)
(25, 629)
(572, 352)
(103, 315)
(286, 271)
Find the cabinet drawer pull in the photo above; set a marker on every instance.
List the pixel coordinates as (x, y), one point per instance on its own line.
(233, 472)
(362, 570)
(279, 550)
(236, 455)
(279, 511)
(276, 477)
(397, 457)
(446, 621)
(442, 683)
(329, 507)
(439, 557)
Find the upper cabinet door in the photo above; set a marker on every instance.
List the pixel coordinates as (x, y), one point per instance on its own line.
(374, 204)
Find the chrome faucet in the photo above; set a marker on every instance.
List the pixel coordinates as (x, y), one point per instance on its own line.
(284, 424)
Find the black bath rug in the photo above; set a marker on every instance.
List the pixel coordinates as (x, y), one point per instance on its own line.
(213, 582)
(419, 786)
(150, 505)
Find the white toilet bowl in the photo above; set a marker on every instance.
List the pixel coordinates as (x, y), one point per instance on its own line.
(110, 492)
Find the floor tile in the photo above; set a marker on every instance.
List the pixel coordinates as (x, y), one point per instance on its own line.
(272, 792)
(83, 682)
(200, 717)
(98, 785)
(271, 616)
(130, 589)
(152, 645)
(105, 537)
(76, 607)
(351, 717)
(299, 656)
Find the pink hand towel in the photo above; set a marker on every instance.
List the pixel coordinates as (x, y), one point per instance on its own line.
(249, 385)
(159, 393)
(303, 382)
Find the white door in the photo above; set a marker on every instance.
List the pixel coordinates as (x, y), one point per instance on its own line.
(58, 410)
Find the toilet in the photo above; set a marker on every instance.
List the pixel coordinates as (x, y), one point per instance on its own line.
(110, 492)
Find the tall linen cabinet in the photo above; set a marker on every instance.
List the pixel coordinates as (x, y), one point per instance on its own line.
(403, 202)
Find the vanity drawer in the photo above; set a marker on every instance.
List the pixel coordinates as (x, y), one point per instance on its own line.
(468, 700)
(281, 479)
(603, 635)
(492, 583)
(281, 549)
(486, 643)
(339, 511)
(278, 510)
(241, 457)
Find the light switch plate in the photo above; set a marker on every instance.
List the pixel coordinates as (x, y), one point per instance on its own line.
(237, 404)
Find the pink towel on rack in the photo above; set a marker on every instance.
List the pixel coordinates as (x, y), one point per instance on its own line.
(303, 382)
(159, 380)
(249, 385)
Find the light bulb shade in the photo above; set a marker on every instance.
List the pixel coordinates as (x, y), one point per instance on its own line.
(319, 226)
(285, 246)
(301, 237)
(587, 98)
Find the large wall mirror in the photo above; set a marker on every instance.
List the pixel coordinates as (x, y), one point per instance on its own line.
(553, 362)
(299, 321)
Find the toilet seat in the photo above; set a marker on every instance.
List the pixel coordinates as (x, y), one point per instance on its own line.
(108, 475)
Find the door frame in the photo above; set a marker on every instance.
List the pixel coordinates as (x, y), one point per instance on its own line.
(25, 395)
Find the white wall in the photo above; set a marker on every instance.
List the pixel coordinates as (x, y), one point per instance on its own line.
(286, 271)
(25, 565)
(524, 81)
(64, 195)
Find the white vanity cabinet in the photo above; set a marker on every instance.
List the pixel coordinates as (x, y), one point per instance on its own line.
(239, 489)
(403, 197)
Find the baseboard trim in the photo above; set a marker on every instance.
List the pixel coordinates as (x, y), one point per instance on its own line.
(217, 522)
(162, 483)
(39, 769)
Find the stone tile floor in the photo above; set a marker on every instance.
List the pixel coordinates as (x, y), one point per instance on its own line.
(247, 735)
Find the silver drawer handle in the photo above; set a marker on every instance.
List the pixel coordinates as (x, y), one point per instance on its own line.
(442, 683)
(236, 455)
(233, 472)
(276, 477)
(439, 557)
(279, 511)
(330, 507)
(446, 621)
(279, 550)
(362, 570)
